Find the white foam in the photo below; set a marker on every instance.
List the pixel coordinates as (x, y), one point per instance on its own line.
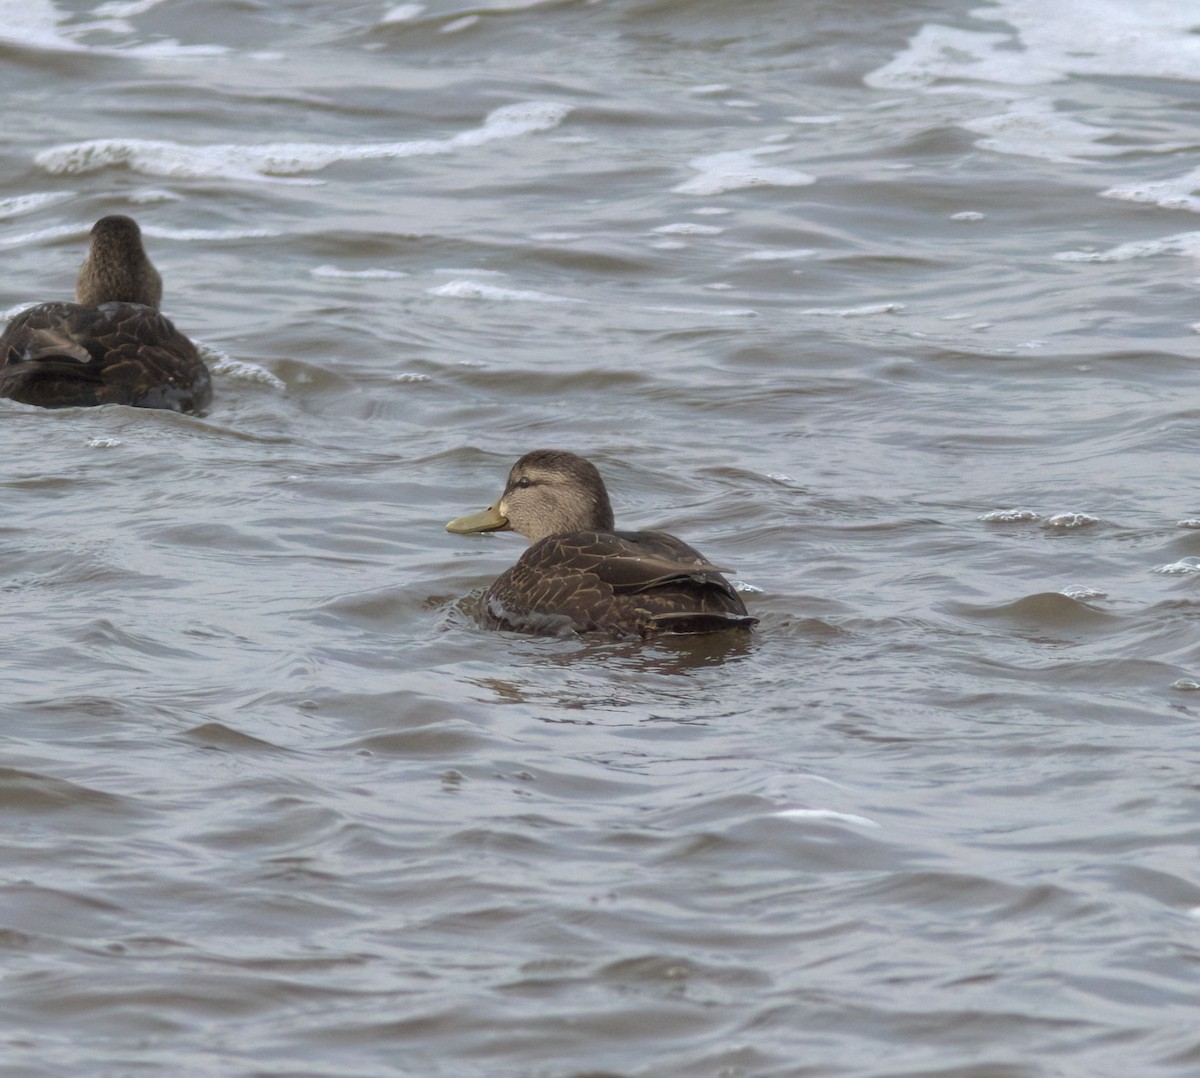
(1071, 520)
(280, 161)
(1010, 516)
(365, 274)
(1054, 39)
(1186, 244)
(1176, 194)
(1033, 128)
(39, 236)
(1083, 593)
(737, 169)
(36, 24)
(1049, 42)
(941, 53)
(103, 443)
(22, 204)
(240, 370)
(477, 290)
(1182, 567)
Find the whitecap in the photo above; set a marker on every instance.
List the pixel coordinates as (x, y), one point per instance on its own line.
(736, 169)
(1182, 567)
(1050, 41)
(364, 274)
(1185, 244)
(1010, 516)
(465, 23)
(1055, 40)
(40, 236)
(1082, 593)
(22, 204)
(477, 290)
(1067, 521)
(1174, 194)
(239, 370)
(36, 24)
(1033, 128)
(279, 162)
(938, 53)
(103, 443)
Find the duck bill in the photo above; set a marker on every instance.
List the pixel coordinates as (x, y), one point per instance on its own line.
(489, 520)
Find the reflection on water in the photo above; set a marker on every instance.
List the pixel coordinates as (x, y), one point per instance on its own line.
(891, 309)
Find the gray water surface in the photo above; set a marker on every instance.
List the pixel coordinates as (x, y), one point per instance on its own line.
(892, 308)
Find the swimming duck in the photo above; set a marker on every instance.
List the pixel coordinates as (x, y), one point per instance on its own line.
(581, 575)
(111, 346)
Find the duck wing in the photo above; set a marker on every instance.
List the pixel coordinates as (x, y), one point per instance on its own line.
(639, 561)
(624, 583)
(62, 355)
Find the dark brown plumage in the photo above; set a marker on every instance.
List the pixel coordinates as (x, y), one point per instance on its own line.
(112, 346)
(580, 575)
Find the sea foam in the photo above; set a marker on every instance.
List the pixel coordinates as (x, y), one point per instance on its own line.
(282, 161)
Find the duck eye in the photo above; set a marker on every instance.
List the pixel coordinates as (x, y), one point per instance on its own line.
(524, 482)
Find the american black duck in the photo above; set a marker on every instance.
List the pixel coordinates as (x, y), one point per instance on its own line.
(581, 575)
(111, 346)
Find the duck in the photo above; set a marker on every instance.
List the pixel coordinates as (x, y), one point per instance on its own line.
(580, 575)
(112, 345)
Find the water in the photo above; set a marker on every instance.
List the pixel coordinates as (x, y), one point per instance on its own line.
(891, 308)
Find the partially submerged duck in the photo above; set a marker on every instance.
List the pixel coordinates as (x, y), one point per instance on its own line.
(112, 345)
(581, 575)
